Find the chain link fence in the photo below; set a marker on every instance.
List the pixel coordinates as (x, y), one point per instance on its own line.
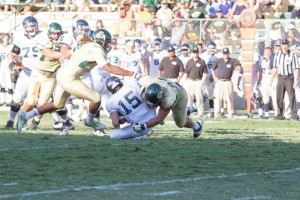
(174, 32)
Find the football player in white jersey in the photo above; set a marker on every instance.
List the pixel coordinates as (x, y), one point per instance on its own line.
(156, 55)
(210, 57)
(115, 54)
(184, 54)
(84, 59)
(132, 61)
(6, 85)
(264, 79)
(127, 104)
(24, 46)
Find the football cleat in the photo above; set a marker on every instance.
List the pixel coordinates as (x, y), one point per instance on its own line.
(190, 110)
(95, 125)
(58, 126)
(21, 121)
(197, 132)
(100, 133)
(34, 125)
(9, 125)
(66, 128)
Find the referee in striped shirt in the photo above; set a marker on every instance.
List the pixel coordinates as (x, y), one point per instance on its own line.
(286, 66)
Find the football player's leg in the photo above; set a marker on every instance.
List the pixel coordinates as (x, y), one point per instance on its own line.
(127, 132)
(199, 98)
(19, 96)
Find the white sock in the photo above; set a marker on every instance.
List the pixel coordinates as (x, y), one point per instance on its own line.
(196, 126)
(36, 119)
(12, 116)
(222, 110)
(55, 116)
(260, 112)
(298, 111)
(34, 112)
(90, 118)
(69, 108)
(266, 114)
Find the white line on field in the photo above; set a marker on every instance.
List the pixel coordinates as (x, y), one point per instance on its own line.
(165, 193)
(253, 198)
(8, 184)
(120, 185)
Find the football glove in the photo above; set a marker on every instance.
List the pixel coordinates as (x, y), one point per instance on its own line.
(138, 127)
(12, 64)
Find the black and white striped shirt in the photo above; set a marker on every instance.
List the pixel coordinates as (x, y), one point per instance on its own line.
(286, 63)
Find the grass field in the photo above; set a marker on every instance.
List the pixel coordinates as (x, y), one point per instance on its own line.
(234, 159)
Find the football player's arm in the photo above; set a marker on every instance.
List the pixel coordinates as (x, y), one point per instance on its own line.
(180, 76)
(65, 51)
(161, 116)
(117, 70)
(13, 56)
(143, 67)
(274, 73)
(204, 78)
(214, 75)
(49, 53)
(115, 119)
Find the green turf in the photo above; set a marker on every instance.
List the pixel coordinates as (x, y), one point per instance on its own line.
(234, 159)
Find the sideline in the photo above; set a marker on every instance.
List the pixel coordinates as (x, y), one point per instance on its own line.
(119, 186)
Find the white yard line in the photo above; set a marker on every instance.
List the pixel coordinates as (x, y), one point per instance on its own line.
(165, 193)
(120, 185)
(8, 184)
(252, 198)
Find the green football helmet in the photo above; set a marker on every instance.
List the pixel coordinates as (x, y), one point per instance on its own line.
(154, 95)
(103, 38)
(54, 28)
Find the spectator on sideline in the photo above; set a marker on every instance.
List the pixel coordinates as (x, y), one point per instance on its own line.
(126, 21)
(224, 87)
(165, 15)
(236, 10)
(191, 34)
(218, 30)
(286, 66)
(177, 32)
(225, 6)
(152, 31)
(198, 11)
(151, 3)
(211, 8)
(171, 67)
(99, 24)
(296, 9)
(293, 35)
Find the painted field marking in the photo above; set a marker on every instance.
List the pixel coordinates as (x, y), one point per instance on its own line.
(253, 198)
(120, 185)
(8, 184)
(165, 193)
